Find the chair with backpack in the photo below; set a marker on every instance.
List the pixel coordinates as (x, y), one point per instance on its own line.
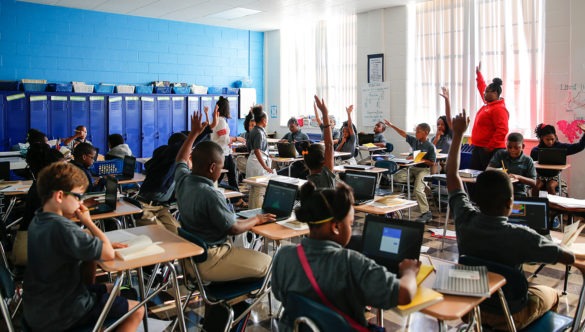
(309, 315)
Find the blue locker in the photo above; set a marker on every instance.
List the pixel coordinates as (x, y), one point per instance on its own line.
(233, 120)
(17, 111)
(78, 113)
(132, 124)
(179, 114)
(192, 107)
(163, 120)
(97, 122)
(39, 113)
(148, 136)
(115, 115)
(3, 139)
(59, 117)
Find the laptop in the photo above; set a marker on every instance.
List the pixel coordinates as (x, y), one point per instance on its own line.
(4, 170)
(358, 167)
(286, 150)
(278, 200)
(552, 156)
(388, 241)
(128, 168)
(109, 204)
(363, 185)
(365, 138)
(531, 212)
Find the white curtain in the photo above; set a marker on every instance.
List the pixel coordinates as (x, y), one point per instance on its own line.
(318, 58)
(451, 37)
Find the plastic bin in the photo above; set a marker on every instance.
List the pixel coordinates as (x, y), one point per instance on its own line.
(162, 89)
(124, 88)
(198, 89)
(59, 87)
(230, 91)
(144, 89)
(181, 90)
(212, 90)
(104, 88)
(82, 88)
(34, 87)
(9, 85)
(100, 168)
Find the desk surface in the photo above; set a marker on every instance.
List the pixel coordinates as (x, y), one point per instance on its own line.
(175, 248)
(15, 188)
(374, 208)
(276, 232)
(342, 169)
(138, 177)
(123, 208)
(454, 307)
(553, 167)
(373, 148)
(262, 181)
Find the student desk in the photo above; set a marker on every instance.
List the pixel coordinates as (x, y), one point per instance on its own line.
(453, 306)
(408, 166)
(570, 206)
(138, 178)
(16, 162)
(175, 248)
(382, 209)
(272, 140)
(276, 232)
(262, 181)
(123, 209)
(14, 190)
(559, 168)
(287, 161)
(342, 169)
(370, 150)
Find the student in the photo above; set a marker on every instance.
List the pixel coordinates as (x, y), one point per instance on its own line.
(242, 159)
(379, 139)
(319, 159)
(80, 136)
(249, 124)
(443, 137)
(258, 162)
(334, 131)
(518, 165)
(491, 122)
(348, 279)
(118, 149)
(36, 136)
(83, 157)
(486, 233)
(295, 134)
(205, 212)
(55, 296)
(418, 142)
(348, 142)
(221, 136)
(547, 136)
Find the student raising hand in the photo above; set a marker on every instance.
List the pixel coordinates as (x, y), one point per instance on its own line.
(460, 123)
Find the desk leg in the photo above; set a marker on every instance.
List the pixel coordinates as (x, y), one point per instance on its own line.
(579, 312)
(108, 305)
(408, 181)
(509, 320)
(445, 227)
(380, 317)
(175, 283)
(142, 296)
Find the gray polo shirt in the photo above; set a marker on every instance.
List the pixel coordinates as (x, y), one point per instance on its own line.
(522, 165)
(348, 279)
(257, 139)
(324, 180)
(379, 138)
(349, 146)
(493, 238)
(295, 137)
(204, 209)
(425, 146)
(334, 132)
(444, 142)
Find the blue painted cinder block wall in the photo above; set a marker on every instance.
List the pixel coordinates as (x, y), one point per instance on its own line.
(62, 45)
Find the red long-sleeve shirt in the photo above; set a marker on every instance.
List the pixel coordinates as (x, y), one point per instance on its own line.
(491, 121)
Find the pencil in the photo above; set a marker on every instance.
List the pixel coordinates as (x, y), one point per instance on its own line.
(431, 263)
(504, 167)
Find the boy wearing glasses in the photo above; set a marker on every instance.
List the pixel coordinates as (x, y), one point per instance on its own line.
(56, 296)
(83, 157)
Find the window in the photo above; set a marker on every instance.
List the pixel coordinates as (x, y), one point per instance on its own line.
(453, 36)
(319, 58)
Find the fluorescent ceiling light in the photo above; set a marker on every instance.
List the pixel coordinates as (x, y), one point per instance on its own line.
(234, 13)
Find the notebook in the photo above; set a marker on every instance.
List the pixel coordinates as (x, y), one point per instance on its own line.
(552, 156)
(532, 212)
(278, 200)
(423, 298)
(363, 185)
(286, 150)
(388, 241)
(128, 168)
(109, 204)
(358, 167)
(462, 280)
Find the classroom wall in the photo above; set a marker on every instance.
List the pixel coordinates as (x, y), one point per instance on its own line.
(63, 45)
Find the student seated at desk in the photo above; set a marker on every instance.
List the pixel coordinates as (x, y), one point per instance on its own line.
(56, 295)
(547, 135)
(205, 212)
(518, 165)
(83, 158)
(418, 142)
(118, 149)
(80, 136)
(444, 136)
(295, 134)
(348, 279)
(318, 158)
(487, 234)
(348, 141)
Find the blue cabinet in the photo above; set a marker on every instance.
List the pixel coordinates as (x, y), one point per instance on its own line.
(59, 117)
(115, 115)
(97, 123)
(163, 120)
(78, 113)
(16, 111)
(148, 135)
(132, 124)
(39, 113)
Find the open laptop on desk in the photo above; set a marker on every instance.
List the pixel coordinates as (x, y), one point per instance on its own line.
(531, 212)
(278, 200)
(111, 199)
(363, 185)
(388, 241)
(552, 156)
(4, 170)
(128, 168)
(358, 167)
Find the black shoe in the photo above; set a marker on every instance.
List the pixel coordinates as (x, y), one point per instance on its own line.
(425, 217)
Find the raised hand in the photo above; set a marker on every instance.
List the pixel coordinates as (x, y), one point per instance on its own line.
(478, 68)
(444, 92)
(460, 123)
(196, 125)
(320, 104)
(349, 109)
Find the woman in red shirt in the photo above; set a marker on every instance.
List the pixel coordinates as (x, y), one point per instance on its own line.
(491, 122)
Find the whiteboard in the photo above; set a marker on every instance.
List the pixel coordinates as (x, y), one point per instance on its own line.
(375, 102)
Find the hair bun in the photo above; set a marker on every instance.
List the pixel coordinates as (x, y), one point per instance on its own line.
(497, 81)
(307, 191)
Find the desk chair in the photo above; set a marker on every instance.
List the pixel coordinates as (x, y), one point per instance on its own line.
(391, 167)
(6, 296)
(515, 297)
(221, 295)
(312, 316)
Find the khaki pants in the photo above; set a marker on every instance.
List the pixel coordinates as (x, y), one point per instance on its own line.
(226, 262)
(540, 300)
(418, 173)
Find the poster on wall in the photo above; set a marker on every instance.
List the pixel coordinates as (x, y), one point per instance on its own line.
(375, 68)
(375, 103)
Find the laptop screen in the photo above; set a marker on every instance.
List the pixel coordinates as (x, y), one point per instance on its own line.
(363, 184)
(530, 211)
(111, 191)
(388, 241)
(552, 156)
(280, 198)
(286, 150)
(129, 166)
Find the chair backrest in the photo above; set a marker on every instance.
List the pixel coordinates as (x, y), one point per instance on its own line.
(196, 240)
(391, 166)
(515, 290)
(325, 318)
(389, 147)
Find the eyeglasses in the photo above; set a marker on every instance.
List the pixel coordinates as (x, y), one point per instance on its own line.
(78, 196)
